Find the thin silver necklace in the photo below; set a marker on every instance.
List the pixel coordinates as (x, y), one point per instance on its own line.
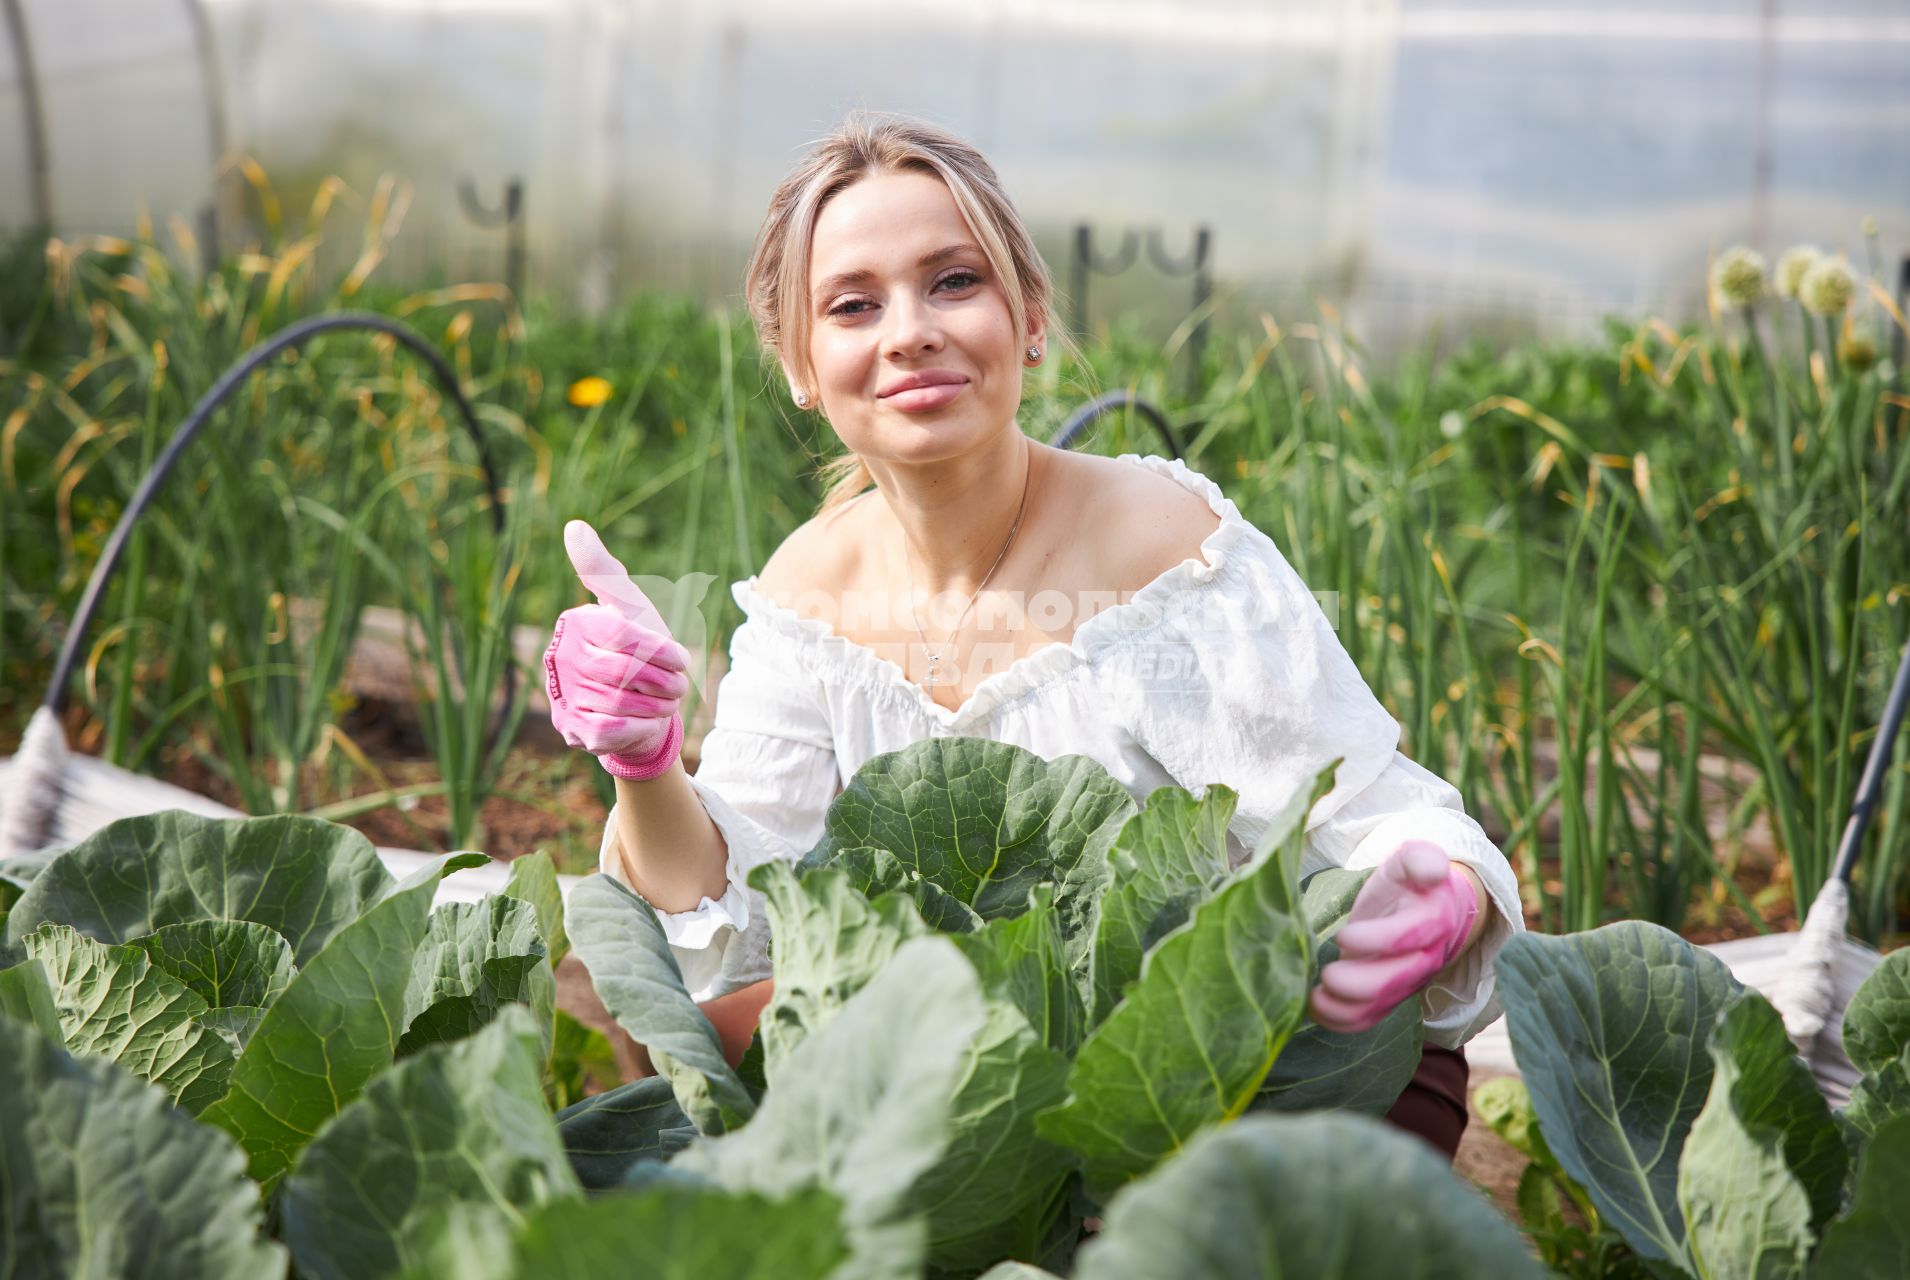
(935, 674)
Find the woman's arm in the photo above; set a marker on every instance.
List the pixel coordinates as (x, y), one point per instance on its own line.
(1484, 912)
(665, 844)
(687, 842)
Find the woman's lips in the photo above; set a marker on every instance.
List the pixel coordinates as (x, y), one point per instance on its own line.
(923, 399)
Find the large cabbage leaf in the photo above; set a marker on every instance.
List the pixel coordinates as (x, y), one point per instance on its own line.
(829, 942)
(1326, 1196)
(1195, 1036)
(1764, 1165)
(1872, 1240)
(114, 1003)
(609, 1133)
(1877, 1038)
(335, 1028)
(101, 1176)
(864, 1106)
(463, 1121)
(1166, 860)
(620, 940)
(303, 878)
(476, 958)
(984, 822)
(998, 1186)
(671, 1231)
(1610, 1029)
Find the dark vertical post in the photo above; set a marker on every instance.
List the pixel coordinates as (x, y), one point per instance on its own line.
(39, 164)
(1196, 266)
(1903, 307)
(1763, 164)
(208, 237)
(510, 216)
(1078, 279)
(1086, 261)
(216, 131)
(514, 241)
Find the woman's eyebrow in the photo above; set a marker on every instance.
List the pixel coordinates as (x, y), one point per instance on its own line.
(844, 278)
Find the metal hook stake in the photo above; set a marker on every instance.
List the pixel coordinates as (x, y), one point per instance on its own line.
(1086, 260)
(509, 214)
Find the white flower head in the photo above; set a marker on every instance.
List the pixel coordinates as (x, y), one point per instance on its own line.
(1827, 287)
(1737, 277)
(1791, 267)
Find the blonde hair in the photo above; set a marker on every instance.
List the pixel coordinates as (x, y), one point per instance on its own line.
(865, 144)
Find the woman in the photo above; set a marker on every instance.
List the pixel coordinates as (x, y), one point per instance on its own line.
(1117, 608)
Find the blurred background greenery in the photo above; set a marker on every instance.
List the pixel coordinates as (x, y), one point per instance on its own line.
(1640, 597)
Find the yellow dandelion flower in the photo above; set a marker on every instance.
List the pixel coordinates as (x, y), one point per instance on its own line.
(588, 393)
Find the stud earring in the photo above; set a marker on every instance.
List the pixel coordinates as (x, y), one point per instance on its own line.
(802, 399)
(1034, 353)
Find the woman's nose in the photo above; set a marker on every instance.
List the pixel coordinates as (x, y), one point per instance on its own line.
(913, 327)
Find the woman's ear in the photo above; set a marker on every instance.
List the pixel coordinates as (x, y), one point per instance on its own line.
(803, 397)
(1035, 350)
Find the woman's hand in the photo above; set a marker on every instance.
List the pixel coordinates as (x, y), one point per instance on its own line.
(1412, 917)
(614, 674)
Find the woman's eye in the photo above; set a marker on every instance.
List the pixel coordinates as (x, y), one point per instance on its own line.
(960, 279)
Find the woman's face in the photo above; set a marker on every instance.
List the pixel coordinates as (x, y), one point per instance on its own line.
(899, 287)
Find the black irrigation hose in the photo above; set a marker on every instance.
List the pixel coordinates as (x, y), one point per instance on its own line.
(1871, 784)
(1079, 421)
(290, 336)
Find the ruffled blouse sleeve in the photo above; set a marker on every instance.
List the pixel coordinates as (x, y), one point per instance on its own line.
(766, 775)
(1239, 678)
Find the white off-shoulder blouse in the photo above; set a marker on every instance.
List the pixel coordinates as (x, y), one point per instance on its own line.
(1223, 669)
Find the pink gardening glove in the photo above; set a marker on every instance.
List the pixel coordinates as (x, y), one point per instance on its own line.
(1412, 916)
(614, 674)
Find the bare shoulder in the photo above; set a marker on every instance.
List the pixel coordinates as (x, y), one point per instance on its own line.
(817, 556)
(1151, 522)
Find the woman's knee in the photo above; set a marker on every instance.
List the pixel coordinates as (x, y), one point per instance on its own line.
(1433, 1104)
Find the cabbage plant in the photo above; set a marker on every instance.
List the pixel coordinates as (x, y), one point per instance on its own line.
(207, 1023)
(1022, 1025)
(1669, 1096)
(1007, 999)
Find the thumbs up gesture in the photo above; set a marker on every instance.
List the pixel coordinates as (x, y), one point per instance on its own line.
(615, 676)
